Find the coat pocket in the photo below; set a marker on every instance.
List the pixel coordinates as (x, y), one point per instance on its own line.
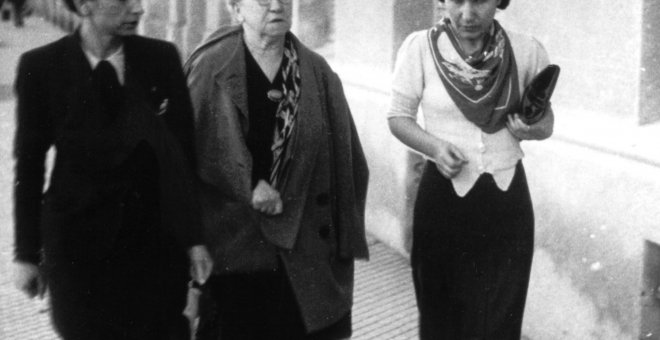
(231, 230)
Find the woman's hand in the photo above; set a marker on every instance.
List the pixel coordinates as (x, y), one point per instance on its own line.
(266, 199)
(448, 159)
(538, 131)
(201, 263)
(29, 279)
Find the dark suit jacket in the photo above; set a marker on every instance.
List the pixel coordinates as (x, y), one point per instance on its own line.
(78, 217)
(321, 229)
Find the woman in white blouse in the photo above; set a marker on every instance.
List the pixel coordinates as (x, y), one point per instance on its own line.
(473, 229)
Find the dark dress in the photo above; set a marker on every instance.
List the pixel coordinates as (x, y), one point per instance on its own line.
(112, 229)
(471, 257)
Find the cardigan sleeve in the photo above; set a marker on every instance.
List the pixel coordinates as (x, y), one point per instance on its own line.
(532, 57)
(408, 77)
(32, 140)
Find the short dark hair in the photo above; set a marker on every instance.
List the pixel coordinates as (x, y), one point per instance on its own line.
(502, 4)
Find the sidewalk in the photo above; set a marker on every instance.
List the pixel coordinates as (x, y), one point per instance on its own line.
(384, 298)
(384, 303)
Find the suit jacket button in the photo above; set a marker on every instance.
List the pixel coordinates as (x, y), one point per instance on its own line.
(324, 231)
(323, 199)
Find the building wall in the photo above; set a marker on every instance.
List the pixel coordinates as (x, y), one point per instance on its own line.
(595, 184)
(596, 43)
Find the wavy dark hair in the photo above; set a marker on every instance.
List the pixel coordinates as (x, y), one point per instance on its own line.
(502, 4)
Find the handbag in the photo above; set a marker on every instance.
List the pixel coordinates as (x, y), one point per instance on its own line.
(536, 96)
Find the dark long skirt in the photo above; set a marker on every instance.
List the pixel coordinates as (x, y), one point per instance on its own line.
(471, 257)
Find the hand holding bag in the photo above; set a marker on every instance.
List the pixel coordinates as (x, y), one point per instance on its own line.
(536, 97)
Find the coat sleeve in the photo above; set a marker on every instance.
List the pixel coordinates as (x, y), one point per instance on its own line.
(223, 159)
(32, 140)
(180, 111)
(351, 173)
(179, 119)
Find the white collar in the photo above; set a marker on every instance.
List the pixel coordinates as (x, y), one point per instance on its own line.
(116, 60)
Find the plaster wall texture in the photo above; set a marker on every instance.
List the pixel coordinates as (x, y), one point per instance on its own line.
(593, 212)
(156, 18)
(363, 31)
(597, 44)
(650, 77)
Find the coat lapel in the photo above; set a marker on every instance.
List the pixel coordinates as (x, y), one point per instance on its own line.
(283, 229)
(231, 78)
(309, 123)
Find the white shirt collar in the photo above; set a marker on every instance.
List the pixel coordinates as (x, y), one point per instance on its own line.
(116, 60)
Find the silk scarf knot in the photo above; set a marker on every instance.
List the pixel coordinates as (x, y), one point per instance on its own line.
(484, 87)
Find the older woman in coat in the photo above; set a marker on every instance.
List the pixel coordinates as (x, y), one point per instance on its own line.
(283, 179)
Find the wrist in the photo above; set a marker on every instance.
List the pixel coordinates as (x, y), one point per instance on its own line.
(438, 148)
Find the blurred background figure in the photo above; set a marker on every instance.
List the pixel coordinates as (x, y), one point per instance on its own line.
(15, 9)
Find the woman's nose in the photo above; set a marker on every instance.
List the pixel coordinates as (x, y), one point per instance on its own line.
(136, 7)
(468, 12)
(276, 5)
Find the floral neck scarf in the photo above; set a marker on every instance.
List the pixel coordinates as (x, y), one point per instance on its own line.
(287, 112)
(485, 87)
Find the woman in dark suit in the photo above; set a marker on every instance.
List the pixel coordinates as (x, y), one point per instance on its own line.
(112, 230)
(284, 180)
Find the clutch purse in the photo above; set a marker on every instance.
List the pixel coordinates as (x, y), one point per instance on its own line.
(536, 96)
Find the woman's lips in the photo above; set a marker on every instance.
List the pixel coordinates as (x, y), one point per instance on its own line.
(472, 28)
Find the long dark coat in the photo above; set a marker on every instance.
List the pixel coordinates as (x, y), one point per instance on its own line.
(321, 230)
(119, 211)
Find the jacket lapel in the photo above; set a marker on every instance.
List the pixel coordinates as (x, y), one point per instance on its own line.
(134, 68)
(78, 92)
(231, 78)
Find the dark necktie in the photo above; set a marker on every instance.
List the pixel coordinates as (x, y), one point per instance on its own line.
(106, 85)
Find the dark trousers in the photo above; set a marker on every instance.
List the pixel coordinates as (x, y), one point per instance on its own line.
(259, 306)
(471, 257)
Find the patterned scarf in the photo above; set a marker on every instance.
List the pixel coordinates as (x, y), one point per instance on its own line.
(485, 88)
(287, 112)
